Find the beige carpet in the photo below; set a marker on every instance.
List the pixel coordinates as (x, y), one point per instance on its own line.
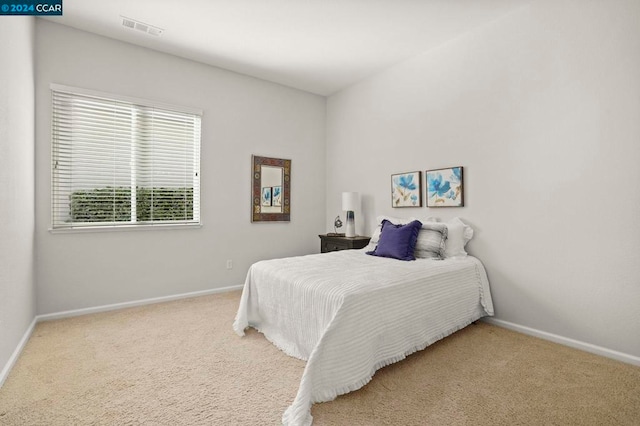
(179, 363)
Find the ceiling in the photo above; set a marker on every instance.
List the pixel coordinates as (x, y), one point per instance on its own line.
(320, 46)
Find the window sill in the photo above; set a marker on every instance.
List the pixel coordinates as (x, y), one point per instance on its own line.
(121, 228)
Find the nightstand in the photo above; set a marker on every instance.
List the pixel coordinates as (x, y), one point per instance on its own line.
(334, 243)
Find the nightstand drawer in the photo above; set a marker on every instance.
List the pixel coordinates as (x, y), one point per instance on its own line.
(335, 243)
(334, 246)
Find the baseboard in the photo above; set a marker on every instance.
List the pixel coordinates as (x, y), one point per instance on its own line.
(16, 353)
(587, 347)
(115, 306)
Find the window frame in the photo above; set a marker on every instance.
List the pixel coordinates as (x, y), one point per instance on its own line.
(125, 226)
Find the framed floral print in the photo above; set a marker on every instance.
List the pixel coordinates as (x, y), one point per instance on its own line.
(406, 189)
(444, 187)
(266, 197)
(276, 196)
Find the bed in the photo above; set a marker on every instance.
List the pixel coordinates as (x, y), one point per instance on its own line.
(349, 314)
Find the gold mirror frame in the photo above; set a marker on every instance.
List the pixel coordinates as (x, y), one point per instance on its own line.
(260, 211)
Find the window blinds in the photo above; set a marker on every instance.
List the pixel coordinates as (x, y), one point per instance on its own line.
(122, 162)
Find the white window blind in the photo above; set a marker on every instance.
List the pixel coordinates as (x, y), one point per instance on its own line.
(122, 162)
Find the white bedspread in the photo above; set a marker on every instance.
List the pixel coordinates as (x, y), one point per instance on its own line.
(348, 314)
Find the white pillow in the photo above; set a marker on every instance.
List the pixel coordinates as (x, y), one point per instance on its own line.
(431, 242)
(458, 236)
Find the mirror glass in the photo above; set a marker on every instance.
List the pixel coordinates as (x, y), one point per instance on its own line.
(271, 189)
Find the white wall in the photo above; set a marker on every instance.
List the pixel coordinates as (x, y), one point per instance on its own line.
(17, 295)
(542, 108)
(242, 116)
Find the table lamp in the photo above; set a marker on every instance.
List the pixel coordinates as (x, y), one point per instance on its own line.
(350, 203)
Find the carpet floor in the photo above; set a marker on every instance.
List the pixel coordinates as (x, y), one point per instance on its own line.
(180, 363)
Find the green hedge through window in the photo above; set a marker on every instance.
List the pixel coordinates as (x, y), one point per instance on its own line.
(113, 204)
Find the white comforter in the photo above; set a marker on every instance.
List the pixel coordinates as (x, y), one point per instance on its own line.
(348, 314)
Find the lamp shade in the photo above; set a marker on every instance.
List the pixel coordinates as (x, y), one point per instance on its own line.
(350, 201)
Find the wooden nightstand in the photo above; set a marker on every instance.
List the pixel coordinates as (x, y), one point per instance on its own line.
(334, 243)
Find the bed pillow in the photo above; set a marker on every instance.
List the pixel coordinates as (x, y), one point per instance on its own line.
(432, 241)
(397, 220)
(373, 242)
(458, 237)
(397, 241)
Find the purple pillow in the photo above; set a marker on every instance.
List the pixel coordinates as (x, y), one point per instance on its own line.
(397, 241)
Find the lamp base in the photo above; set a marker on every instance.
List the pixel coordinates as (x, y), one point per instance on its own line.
(350, 230)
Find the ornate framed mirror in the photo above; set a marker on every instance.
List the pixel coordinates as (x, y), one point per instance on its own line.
(271, 189)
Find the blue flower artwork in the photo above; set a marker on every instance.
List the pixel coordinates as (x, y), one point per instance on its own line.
(276, 196)
(406, 189)
(266, 196)
(444, 187)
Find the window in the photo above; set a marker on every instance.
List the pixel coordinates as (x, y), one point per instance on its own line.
(120, 162)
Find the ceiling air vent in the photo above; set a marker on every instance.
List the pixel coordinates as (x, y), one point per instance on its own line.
(141, 26)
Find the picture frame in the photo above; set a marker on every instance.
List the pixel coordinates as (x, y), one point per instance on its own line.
(268, 173)
(276, 196)
(266, 199)
(445, 187)
(406, 189)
